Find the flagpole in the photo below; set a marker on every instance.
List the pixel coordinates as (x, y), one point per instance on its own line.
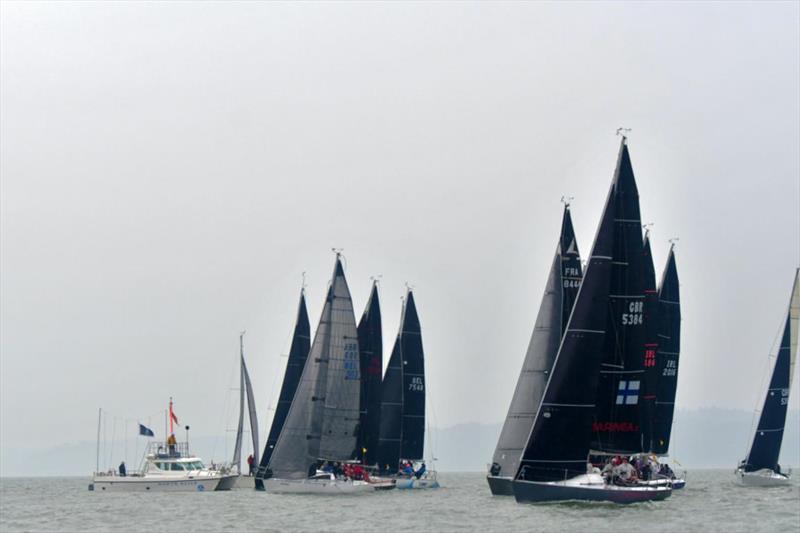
(97, 460)
(171, 427)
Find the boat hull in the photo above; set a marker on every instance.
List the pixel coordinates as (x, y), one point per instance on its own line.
(584, 488)
(762, 478)
(414, 483)
(316, 486)
(500, 486)
(228, 482)
(144, 484)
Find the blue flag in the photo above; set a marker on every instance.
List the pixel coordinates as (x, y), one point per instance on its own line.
(146, 431)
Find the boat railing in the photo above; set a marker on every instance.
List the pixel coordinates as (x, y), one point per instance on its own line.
(163, 450)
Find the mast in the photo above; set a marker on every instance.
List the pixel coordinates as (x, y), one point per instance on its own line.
(556, 305)
(99, 422)
(370, 344)
(766, 447)
(558, 442)
(669, 348)
(298, 354)
(617, 427)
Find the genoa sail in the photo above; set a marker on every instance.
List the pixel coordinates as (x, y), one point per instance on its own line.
(560, 292)
(766, 446)
(370, 344)
(402, 423)
(558, 442)
(669, 348)
(298, 353)
(617, 427)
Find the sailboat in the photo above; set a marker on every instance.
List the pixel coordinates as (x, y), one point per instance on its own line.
(402, 422)
(298, 353)
(554, 310)
(668, 346)
(321, 423)
(760, 468)
(245, 390)
(370, 344)
(554, 464)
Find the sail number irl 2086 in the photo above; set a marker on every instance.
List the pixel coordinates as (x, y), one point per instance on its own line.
(351, 370)
(635, 314)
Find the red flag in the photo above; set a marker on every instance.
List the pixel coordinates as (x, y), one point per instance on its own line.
(173, 416)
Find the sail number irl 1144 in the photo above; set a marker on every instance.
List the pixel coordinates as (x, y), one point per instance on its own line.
(635, 314)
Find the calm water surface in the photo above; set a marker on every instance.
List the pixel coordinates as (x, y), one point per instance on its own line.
(710, 502)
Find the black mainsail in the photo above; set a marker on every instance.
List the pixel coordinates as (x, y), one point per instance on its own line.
(370, 344)
(562, 287)
(402, 423)
(766, 446)
(298, 352)
(617, 427)
(650, 363)
(558, 442)
(669, 348)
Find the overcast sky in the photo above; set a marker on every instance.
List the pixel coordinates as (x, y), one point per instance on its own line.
(169, 171)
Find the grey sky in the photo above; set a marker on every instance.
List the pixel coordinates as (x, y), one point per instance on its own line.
(170, 169)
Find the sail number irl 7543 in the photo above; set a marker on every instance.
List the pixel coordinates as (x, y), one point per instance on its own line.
(416, 384)
(635, 315)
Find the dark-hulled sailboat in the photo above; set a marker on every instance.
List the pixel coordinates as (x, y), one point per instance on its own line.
(554, 463)
(298, 352)
(402, 422)
(370, 344)
(560, 292)
(760, 467)
(321, 422)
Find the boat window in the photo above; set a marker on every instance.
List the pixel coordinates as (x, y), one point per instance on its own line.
(161, 466)
(177, 466)
(198, 465)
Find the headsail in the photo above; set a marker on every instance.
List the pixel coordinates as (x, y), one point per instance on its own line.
(558, 443)
(669, 348)
(767, 440)
(370, 344)
(617, 425)
(554, 310)
(402, 424)
(298, 353)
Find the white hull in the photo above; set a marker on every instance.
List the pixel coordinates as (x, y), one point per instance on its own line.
(762, 478)
(154, 484)
(413, 483)
(316, 486)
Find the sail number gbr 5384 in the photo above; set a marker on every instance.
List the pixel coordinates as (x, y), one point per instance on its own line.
(635, 314)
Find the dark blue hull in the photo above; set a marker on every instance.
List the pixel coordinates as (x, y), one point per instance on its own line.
(500, 486)
(539, 492)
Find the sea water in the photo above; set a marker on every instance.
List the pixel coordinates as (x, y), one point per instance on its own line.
(711, 501)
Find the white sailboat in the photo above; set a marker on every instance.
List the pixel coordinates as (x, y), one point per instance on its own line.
(761, 468)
